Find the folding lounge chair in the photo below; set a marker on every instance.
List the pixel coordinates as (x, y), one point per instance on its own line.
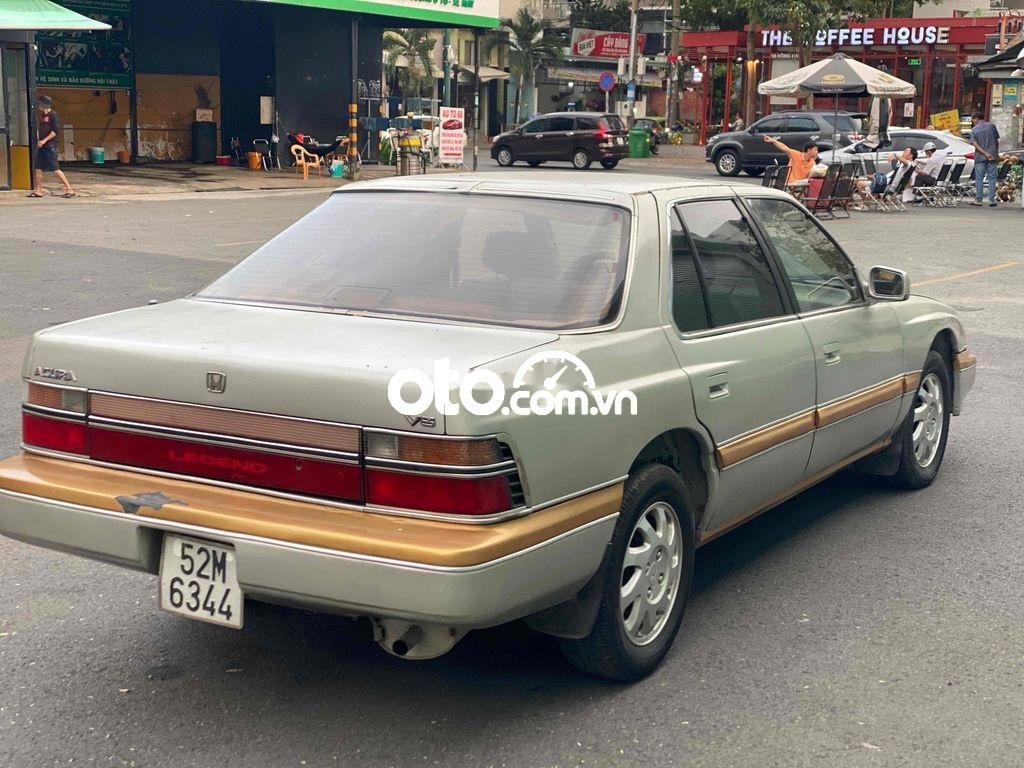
(933, 196)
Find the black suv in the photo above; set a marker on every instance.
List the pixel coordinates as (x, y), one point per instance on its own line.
(578, 137)
(747, 150)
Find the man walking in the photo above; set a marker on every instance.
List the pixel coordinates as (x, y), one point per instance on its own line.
(46, 151)
(985, 139)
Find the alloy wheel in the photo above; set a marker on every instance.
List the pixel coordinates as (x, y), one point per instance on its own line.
(504, 157)
(928, 420)
(651, 571)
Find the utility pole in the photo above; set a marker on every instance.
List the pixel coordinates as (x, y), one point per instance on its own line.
(476, 94)
(673, 68)
(353, 107)
(446, 66)
(631, 81)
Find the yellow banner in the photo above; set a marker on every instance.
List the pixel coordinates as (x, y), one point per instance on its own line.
(946, 121)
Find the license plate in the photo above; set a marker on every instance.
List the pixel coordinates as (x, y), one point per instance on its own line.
(199, 579)
(620, 141)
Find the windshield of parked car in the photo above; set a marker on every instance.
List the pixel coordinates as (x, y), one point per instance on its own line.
(527, 262)
(842, 123)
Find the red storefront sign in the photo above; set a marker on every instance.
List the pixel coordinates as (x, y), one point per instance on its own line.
(603, 45)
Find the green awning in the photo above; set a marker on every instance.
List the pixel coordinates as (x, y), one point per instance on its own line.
(35, 15)
(454, 13)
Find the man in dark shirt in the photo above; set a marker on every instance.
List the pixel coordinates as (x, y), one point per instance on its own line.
(985, 139)
(46, 151)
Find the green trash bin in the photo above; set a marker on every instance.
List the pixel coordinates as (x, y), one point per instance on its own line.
(639, 142)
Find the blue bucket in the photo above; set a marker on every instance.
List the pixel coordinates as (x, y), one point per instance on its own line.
(97, 155)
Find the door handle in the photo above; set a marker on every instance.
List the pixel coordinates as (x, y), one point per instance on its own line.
(831, 352)
(718, 386)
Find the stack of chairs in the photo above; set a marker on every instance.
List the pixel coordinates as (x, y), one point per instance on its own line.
(936, 195)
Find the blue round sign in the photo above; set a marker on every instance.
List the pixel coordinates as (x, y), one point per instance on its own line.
(606, 81)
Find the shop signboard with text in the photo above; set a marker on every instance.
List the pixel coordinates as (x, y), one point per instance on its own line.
(89, 59)
(473, 13)
(603, 45)
(946, 121)
(863, 36)
(451, 141)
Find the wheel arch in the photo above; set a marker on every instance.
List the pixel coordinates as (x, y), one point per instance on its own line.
(683, 451)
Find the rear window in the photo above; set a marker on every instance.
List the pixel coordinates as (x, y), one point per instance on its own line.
(613, 123)
(533, 263)
(842, 123)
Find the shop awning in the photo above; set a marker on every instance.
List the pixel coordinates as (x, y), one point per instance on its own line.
(486, 74)
(446, 13)
(33, 15)
(586, 75)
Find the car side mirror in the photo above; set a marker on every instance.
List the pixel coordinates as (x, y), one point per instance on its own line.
(888, 284)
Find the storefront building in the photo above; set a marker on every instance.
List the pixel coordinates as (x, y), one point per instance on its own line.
(935, 54)
(254, 69)
(20, 20)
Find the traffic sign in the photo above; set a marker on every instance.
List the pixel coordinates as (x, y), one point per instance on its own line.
(631, 91)
(606, 81)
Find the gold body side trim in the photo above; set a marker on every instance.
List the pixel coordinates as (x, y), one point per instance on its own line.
(861, 401)
(803, 485)
(911, 382)
(964, 360)
(742, 448)
(353, 530)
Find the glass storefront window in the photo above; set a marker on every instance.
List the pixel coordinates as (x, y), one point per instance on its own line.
(972, 90)
(940, 94)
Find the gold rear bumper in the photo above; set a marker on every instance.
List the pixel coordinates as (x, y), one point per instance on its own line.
(347, 529)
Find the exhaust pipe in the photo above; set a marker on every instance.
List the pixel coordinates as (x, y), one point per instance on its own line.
(415, 641)
(408, 641)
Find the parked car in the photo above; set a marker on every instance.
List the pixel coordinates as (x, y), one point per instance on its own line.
(285, 434)
(747, 150)
(656, 127)
(900, 139)
(577, 137)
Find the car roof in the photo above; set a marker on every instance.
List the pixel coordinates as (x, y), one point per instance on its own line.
(614, 187)
(572, 114)
(824, 112)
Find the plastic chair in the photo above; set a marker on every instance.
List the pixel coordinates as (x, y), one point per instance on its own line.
(305, 160)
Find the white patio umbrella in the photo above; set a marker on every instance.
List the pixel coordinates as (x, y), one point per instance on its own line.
(838, 75)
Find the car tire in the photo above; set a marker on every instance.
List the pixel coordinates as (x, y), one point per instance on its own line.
(581, 159)
(654, 498)
(751, 171)
(609, 164)
(534, 163)
(727, 162)
(922, 438)
(504, 157)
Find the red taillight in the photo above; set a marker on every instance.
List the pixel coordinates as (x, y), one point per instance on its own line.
(969, 155)
(54, 434)
(313, 477)
(453, 495)
(601, 133)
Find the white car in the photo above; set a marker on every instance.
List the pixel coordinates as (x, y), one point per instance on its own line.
(900, 139)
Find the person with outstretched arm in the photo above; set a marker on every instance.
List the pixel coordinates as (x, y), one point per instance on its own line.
(800, 163)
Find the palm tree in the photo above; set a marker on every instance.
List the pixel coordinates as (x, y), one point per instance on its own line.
(529, 45)
(416, 46)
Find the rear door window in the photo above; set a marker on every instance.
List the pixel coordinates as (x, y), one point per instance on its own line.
(613, 123)
(843, 123)
(802, 125)
(560, 124)
(537, 126)
(689, 310)
(735, 272)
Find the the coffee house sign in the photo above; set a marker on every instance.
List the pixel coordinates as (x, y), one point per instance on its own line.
(863, 36)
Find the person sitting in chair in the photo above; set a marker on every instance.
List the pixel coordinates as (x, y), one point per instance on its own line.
(800, 162)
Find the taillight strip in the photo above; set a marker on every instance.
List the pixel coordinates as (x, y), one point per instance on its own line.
(228, 441)
(443, 470)
(286, 430)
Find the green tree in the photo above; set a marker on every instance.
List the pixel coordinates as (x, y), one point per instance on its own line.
(529, 45)
(600, 15)
(416, 46)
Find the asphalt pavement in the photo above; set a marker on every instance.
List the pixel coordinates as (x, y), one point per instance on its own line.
(852, 626)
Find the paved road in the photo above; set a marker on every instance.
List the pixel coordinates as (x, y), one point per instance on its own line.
(853, 626)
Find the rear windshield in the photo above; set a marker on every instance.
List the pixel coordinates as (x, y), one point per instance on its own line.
(613, 123)
(478, 258)
(842, 123)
